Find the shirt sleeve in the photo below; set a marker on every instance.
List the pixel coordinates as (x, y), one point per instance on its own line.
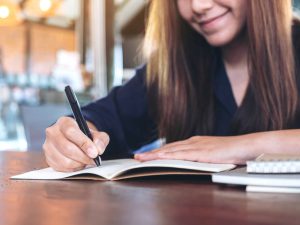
(124, 115)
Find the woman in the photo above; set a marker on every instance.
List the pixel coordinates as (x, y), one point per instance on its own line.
(220, 86)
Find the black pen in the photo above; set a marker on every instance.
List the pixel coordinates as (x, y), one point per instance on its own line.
(79, 117)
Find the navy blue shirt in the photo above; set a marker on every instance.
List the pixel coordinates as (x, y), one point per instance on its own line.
(124, 113)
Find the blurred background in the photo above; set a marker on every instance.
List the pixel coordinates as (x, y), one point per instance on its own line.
(93, 45)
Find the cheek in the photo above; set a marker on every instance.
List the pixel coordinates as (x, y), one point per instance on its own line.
(185, 10)
(240, 11)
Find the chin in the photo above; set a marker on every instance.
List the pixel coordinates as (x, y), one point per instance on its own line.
(217, 43)
(219, 39)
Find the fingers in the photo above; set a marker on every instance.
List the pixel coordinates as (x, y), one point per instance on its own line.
(190, 155)
(186, 142)
(185, 145)
(159, 153)
(101, 140)
(92, 149)
(201, 149)
(71, 151)
(66, 148)
(180, 153)
(76, 136)
(147, 156)
(58, 161)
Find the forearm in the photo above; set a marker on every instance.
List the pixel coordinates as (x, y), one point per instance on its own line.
(276, 142)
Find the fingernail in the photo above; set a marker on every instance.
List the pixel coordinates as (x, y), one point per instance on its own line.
(92, 152)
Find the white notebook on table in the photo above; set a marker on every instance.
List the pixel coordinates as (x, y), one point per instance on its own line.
(129, 168)
(271, 189)
(240, 176)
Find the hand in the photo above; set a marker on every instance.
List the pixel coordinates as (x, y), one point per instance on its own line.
(67, 148)
(233, 149)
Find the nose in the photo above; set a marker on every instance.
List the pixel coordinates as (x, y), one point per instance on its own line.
(201, 6)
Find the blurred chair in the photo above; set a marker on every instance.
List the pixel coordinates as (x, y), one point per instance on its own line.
(37, 118)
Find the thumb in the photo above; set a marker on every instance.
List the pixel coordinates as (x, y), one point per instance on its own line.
(101, 140)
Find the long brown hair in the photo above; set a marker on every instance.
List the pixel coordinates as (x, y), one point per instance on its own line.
(181, 66)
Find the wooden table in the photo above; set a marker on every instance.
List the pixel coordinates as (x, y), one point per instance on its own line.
(168, 200)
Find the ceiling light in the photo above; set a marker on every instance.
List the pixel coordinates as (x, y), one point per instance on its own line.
(4, 12)
(41, 8)
(45, 5)
(10, 13)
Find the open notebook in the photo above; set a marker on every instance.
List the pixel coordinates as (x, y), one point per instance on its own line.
(128, 168)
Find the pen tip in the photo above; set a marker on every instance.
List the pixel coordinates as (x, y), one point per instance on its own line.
(98, 161)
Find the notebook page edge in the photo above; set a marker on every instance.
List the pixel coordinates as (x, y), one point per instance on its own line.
(50, 174)
(177, 164)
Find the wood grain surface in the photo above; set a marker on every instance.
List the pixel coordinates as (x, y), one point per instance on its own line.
(156, 200)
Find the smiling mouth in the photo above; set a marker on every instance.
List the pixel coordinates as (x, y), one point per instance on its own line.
(205, 22)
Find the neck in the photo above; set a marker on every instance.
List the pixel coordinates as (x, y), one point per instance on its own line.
(235, 53)
(236, 64)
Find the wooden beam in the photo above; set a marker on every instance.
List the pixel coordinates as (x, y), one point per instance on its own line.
(127, 12)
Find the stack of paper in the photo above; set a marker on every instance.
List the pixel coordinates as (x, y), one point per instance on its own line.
(274, 164)
(267, 173)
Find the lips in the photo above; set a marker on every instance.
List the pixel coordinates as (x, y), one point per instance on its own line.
(210, 20)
